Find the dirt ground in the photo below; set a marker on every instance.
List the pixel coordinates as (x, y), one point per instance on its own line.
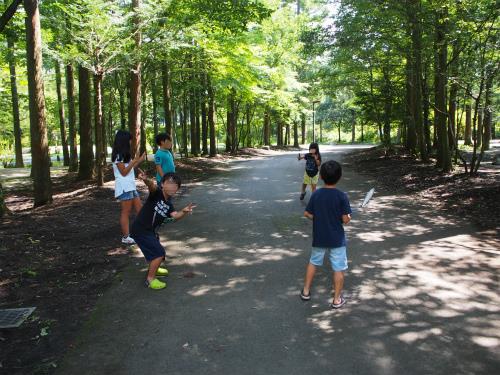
(475, 198)
(63, 256)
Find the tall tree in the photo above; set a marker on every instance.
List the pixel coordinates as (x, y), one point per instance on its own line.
(86, 167)
(40, 168)
(62, 118)
(70, 92)
(211, 117)
(416, 37)
(444, 157)
(167, 100)
(135, 82)
(11, 57)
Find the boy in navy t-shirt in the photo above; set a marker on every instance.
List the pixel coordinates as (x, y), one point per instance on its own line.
(156, 210)
(329, 210)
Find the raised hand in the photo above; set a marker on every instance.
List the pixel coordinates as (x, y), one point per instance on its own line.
(142, 175)
(139, 159)
(189, 208)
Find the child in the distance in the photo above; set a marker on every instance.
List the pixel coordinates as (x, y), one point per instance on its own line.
(313, 161)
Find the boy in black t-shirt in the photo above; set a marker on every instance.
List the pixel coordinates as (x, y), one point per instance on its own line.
(156, 210)
(329, 210)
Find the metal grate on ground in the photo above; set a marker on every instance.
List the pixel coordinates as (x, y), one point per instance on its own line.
(13, 318)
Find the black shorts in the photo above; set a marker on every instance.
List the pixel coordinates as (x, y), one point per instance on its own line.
(149, 245)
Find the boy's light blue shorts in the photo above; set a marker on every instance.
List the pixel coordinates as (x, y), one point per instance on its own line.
(337, 256)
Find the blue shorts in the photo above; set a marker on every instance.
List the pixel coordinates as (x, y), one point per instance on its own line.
(337, 256)
(149, 245)
(128, 195)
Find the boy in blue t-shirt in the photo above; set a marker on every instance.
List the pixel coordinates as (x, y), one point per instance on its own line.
(329, 210)
(164, 159)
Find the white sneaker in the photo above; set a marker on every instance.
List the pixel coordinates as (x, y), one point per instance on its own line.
(128, 240)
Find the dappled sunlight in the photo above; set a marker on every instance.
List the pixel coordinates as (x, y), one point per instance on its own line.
(284, 200)
(263, 255)
(411, 337)
(485, 341)
(239, 201)
(322, 321)
(374, 236)
(232, 285)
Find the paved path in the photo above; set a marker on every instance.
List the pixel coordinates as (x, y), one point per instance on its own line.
(422, 290)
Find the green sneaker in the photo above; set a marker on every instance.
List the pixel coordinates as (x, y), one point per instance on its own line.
(162, 272)
(155, 284)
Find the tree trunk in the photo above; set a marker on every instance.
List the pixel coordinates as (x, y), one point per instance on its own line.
(99, 141)
(211, 117)
(9, 12)
(123, 119)
(267, 126)
(86, 166)
(62, 119)
(452, 100)
(410, 136)
(479, 133)
(295, 133)
(167, 101)
(417, 76)
(444, 159)
(70, 92)
(232, 116)
(426, 108)
(279, 133)
(204, 115)
(184, 127)
(303, 127)
(11, 57)
(287, 133)
(192, 121)
(468, 125)
(387, 107)
(197, 131)
(340, 124)
(353, 133)
(249, 116)
(436, 89)
(143, 120)
(154, 97)
(40, 168)
(135, 85)
(108, 141)
(487, 121)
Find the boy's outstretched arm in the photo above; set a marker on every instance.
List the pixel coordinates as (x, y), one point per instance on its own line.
(177, 215)
(148, 182)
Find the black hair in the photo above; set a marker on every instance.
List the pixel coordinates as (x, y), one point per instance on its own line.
(331, 171)
(121, 147)
(316, 147)
(161, 137)
(171, 177)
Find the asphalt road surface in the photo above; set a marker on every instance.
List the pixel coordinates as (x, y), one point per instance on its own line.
(422, 289)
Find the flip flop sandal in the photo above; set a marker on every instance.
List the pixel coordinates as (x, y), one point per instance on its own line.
(338, 305)
(305, 297)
